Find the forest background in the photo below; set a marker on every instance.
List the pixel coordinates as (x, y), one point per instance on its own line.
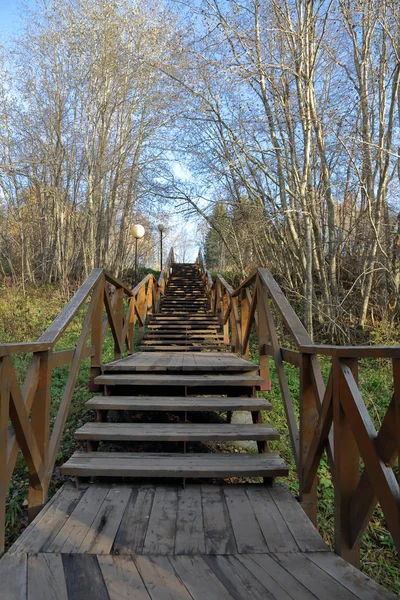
(272, 125)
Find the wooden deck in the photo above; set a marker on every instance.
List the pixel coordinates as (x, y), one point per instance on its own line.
(143, 542)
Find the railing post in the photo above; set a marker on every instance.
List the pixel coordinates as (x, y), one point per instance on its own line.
(308, 422)
(141, 302)
(4, 412)
(225, 304)
(244, 321)
(347, 466)
(263, 337)
(40, 421)
(119, 320)
(97, 339)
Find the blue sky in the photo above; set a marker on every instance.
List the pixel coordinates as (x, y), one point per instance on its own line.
(10, 19)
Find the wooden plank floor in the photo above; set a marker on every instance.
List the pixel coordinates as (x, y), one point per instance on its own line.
(161, 542)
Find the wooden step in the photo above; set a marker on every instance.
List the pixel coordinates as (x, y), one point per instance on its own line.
(176, 335)
(175, 432)
(133, 464)
(206, 362)
(193, 317)
(177, 403)
(174, 330)
(181, 341)
(183, 348)
(179, 327)
(180, 380)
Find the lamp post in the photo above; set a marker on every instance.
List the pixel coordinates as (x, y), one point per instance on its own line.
(161, 229)
(137, 232)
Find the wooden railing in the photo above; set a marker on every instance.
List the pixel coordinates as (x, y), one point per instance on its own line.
(332, 417)
(164, 275)
(106, 304)
(205, 274)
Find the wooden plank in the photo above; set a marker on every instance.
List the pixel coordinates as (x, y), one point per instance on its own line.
(199, 579)
(160, 578)
(275, 590)
(303, 531)
(161, 531)
(122, 578)
(177, 403)
(320, 438)
(308, 418)
(41, 532)
(189, 523)
(265, 318)
(312, 577)
(130, 464)
(4, 479)
(293, 322)
(175, 432)
(83, 577)
(364, 499)
(268, 570)
(46, 579)
(13, 577)
(22, 425)
(362, 586)
(248, 535)
(76, 527)
(273, 526)
(100, 537)
(61, 322)
(381, 475)
(180, 380)
(64, 357)
(238, 581)
(23, 348)
(219, 537)
(347, 464)
(133, 527)
(351, 351)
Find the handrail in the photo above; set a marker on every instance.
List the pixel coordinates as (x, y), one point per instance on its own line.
(204, 271)
(164, 275)
(333, 417)
(28, 406)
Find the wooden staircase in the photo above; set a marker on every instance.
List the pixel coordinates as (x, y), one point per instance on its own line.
(170, 392)
(185, 322)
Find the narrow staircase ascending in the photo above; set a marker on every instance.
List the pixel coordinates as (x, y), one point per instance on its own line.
(185, 322)
(162, 412)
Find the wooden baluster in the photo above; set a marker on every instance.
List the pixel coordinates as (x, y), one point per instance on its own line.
(396, 391)
(244, 321)
(236, 324)
(308, 421)
(97, 339)
(234, 340)
(150, 296)
(40, 421)
(263, 337)
(347, 467)
(4, 412)
(225, 304)
(119, 320)
(141, 301)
